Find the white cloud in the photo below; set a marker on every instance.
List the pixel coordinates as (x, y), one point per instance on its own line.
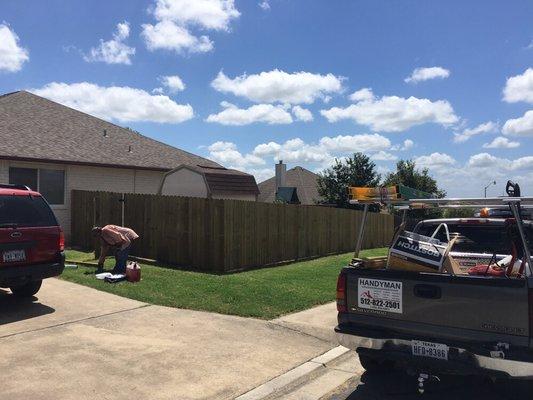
(501, 143)
(12, 55)
(226, 153)
(176, 18)
(116, 103)
(173, 83)
(302, 114)
(167, 35)
(522, 126)
(313, 155)
(279, 86)
(485, 160)
(362, 95)
(427, 73)
(264, 5)
(324, 151)
(268, 113)
(519, 88)
(487, 127)
(383, 156)
(158, 90)
(407, 145)
(435, 161)
(393, 113)
(207, 14)
(113, 51)
(354, 143)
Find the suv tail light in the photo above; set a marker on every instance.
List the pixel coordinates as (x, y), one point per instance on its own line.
(530, 313)
(341, 293)
(61, 240)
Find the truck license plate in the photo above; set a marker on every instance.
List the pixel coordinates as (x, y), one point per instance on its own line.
(14, 256)
(428, 349)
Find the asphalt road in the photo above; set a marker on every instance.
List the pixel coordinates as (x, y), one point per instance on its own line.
(399, 385)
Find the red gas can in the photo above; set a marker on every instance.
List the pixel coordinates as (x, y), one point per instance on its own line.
(133, 272)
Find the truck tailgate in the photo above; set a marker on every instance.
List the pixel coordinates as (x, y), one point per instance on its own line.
(438, 305)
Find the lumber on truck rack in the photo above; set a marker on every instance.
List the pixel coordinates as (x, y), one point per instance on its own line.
(403, 198)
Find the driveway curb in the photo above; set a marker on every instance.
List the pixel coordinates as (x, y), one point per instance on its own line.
(296, 376)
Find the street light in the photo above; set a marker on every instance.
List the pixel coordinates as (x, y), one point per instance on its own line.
(486, 187)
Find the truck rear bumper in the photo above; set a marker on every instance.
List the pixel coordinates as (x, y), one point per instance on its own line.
(460, 360)
(17, 275)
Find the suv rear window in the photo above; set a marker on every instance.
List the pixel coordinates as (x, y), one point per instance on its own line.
(480, 238)
(25, 211)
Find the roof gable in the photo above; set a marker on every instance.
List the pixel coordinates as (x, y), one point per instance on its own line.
(302, 179)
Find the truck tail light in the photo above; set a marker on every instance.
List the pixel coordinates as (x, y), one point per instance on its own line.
(341, 293)
(61, 242)
(531, 313)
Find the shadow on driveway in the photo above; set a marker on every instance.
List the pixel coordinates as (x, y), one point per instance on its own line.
(13, 309)
(398, 385)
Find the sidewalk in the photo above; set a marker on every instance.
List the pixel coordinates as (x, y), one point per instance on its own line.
(76, 342)
(317, 321)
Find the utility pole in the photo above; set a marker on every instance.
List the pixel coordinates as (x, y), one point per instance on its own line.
(486, 187)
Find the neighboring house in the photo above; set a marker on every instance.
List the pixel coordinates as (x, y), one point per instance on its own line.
(55, 149)
(298, 185)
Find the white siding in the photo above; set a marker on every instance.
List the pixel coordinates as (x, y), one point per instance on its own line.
(4, 172)
(147, 182)
(185, 182)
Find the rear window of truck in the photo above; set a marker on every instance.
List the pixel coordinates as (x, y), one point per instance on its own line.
(21, 211)
(480, 238)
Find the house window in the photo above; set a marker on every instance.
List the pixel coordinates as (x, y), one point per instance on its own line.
(24, 176)
(49, 182)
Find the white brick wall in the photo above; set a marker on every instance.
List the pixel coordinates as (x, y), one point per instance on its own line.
(4, 175)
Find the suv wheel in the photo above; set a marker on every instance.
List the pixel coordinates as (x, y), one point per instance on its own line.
(372, 364)
(28, 289)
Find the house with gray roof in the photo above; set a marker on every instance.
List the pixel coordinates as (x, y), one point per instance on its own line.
(55, 149)
(296, 186)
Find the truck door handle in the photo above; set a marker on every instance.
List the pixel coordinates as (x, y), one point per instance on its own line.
(427, 291)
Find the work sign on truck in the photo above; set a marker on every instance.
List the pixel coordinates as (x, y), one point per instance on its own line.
(380, 295)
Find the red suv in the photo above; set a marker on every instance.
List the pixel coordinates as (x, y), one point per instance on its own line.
(31, 241)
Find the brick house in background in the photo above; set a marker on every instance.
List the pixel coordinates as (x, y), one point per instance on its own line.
(298, 185)
(55, 149)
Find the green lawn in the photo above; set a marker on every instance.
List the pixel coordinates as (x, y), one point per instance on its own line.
(262, 293)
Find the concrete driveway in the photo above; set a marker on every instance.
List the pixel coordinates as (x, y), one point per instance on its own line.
(73, 342)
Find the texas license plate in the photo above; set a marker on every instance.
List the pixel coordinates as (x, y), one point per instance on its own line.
(14, 256)
(428, 349)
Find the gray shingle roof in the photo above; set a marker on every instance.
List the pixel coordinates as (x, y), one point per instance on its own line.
(302, 179)
(32, 127)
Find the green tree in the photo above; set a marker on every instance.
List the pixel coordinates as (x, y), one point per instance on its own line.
(407, 174)
(358, 170)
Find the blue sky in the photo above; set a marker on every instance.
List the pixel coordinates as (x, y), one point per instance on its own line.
(276, 64)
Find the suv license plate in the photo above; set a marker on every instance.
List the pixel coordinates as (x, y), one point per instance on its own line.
(428, 349)
(14, 256)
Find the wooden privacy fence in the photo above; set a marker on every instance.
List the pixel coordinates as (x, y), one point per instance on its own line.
(224, 235)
